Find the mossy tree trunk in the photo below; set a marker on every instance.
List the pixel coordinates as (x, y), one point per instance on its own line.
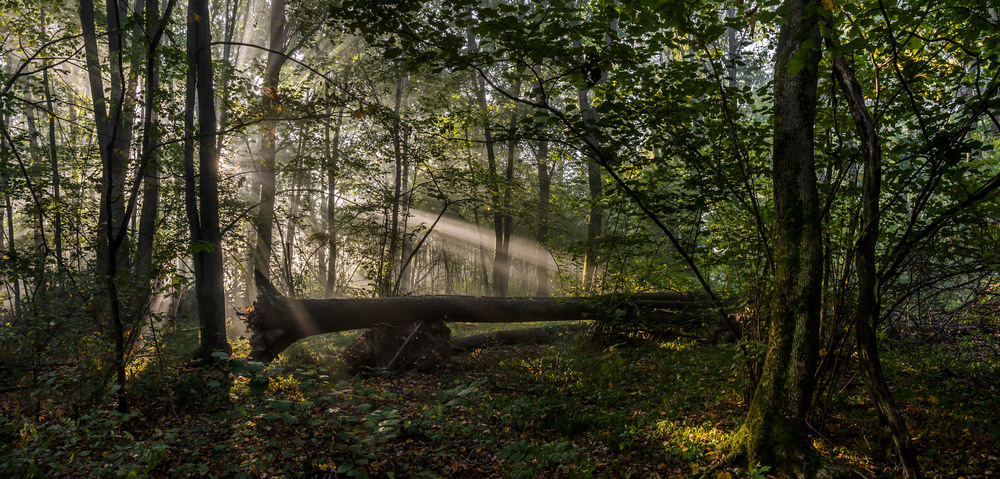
(774, 432)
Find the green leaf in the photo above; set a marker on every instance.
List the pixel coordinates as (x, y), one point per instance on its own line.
(258, 385)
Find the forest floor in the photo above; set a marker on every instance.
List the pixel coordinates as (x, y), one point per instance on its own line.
(575, 408)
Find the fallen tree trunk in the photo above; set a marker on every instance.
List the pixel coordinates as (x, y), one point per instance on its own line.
(526, 336)
(276, 322)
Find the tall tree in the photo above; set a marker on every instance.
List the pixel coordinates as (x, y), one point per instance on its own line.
(288, 246)
(405, 274)
(57, 233)
(501, 259)
(148, 149)
(8, 206)
(869, 296)
(390, 266)
(493, 183)
(332, 153)
(774, 432)
(276, 59)
(595, 185)
(202, 200)
(114, 135)
(114, 125)
(544, 193)
(594, 75)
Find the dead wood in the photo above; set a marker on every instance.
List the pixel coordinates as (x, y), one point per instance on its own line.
(276, 321)
(525, 336)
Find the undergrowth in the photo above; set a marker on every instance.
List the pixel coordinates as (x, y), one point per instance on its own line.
(572, 409)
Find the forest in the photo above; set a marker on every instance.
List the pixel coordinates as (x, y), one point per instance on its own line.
(500, 238)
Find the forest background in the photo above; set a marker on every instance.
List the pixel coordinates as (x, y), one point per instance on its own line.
(822, 175)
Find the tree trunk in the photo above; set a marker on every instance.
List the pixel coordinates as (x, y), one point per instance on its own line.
(869, 308)
(448, 287)
(539, 335)
(390, 266)
(276, 322)
(35, 154)
(733, 49)
(113, 132)
(290, 232)
(322, 263)
(595, 184)
(405, 274)
(121, 114)
(150, 136)
(332, 162)
(57, 232)
(482, 254)
(203, 212)
(501, 259)
(269, 105)
(14, 283)
(232, 13)
(775, 432)
(114, 128)
(493, 181)
(544, 189)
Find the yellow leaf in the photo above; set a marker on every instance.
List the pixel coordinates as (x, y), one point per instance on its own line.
(723, 475)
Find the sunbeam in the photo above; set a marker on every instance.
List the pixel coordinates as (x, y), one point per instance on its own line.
(521, 248)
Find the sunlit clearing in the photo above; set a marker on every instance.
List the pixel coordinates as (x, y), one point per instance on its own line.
(521, 248)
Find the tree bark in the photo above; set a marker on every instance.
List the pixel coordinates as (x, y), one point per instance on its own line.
(733, 48)
(13, 283)
(544, 192)
(269, 104)
(595, 184)
(775, 432)
(404, 278)
(482, 254)
(869, 304)
(501, 258)
(150, 135)
(277, 322)
(493, 179)
(112, 254)
(203, 213)
(35, 154)
(391, 263)
(288, 247)
(121, 114)
(232, 13)
(57, 232)
(332, 165)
